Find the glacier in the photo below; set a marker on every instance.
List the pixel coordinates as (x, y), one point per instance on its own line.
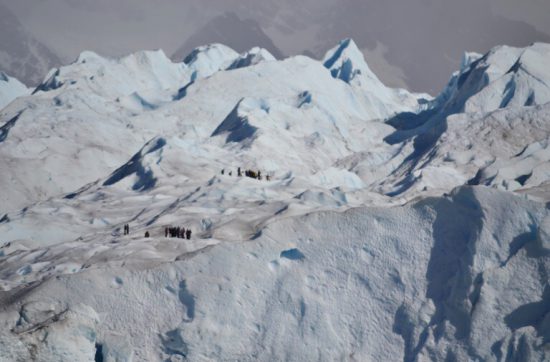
(393, 225)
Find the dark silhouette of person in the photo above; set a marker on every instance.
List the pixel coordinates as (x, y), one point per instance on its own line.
(259, 175)
(165, 232)
(188, 234)
(230, 173)
(239, 173)
(223, 171)
(147, 234)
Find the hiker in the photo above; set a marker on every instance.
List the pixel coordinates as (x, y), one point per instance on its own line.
(223, 171)
(239, 173)
(230, 173)
(147, 234)
(188, 234)
(267, 177)
(259, 175)
(165, 232)
(182, 233)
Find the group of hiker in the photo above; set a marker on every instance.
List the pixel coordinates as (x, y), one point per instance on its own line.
(248, 173)
(173, 232)
(177, 232)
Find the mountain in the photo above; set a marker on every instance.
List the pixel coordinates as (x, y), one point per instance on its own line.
(230, 30)
(10, 88)
(380, 224)
(20, 53)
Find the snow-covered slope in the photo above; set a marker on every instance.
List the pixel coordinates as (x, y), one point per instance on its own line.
(469, 283)
(363, 244)
(147, 71)
(10, 88)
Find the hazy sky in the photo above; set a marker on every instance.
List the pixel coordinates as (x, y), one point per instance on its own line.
(409, 43)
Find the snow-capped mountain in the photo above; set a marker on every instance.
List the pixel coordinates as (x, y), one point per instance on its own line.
(10, 88)
(370, 235)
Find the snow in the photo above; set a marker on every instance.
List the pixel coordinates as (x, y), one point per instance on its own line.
(10, 88)
(392, 226)
(207, 60)
(252, 57)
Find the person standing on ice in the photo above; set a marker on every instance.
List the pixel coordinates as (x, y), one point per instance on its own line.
(223, 171)
(166, 232)
(147, 234)
(188, 234)
(239, 173)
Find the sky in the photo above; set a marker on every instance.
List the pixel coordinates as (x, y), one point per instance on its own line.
(414, 44)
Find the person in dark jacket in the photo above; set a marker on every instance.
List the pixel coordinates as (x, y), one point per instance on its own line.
(188, 234)
(147, 234)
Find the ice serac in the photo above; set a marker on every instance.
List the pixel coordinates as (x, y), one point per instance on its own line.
(209, 59)
(252, 57)
(10, 88)
(346, 62)
(139, 170)
(488, 126)
(505, 76)
(144, 72)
